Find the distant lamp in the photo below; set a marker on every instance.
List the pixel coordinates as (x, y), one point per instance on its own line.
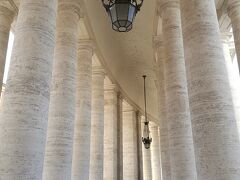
(146, 139)
(122, 13)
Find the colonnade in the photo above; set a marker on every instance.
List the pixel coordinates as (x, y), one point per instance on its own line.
(61, 119)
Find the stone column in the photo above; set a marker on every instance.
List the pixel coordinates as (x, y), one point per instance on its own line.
(163, 122)
(233, 80)
(146, 153)
(216, 140)
(155, 152)
(234, 14)
(120, 142)
(129, 139)
(110, 131)
(97, 127)
(6, 19)
(82, 126)
(58, 155)
(139, 146)
(23, 117)
(179, 123)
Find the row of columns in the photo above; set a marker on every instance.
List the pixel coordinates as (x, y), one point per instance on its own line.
(204, 145)
(68, 131)
(198, 128)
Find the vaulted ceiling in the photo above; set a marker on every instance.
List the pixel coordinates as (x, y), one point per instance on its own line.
(127, 56)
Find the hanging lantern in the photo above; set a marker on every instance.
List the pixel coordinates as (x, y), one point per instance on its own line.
(146, 136)
(146, 139)
(122, 13)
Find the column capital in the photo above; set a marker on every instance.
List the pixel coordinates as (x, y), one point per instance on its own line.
(111, 87)
(86, 44)
(71, 5)
(233, 8)
(127, 107)
(163, 4)
(7, 12)
(98, 70)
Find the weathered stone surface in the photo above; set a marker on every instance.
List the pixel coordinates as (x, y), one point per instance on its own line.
(139, 146)
(216, 140)
(24, 113)
(163, 122)
(234, 83)
(82, 125)
(110, 131)
(179, 123)
(6, 19)
(155, 152)
(97, 127)
(129, 139)
(59, 147)
(234, 14)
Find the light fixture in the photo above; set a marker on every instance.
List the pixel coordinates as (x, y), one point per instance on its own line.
(122, 13)
(146, 133)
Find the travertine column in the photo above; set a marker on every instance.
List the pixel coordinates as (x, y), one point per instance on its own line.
(129, 139)
(234, 14)
(120, 142)
(155, 152)
(139, 146)
(163, 122)
(23, 118)
(58, 156)
(110, 131)
(6, 19)
(233, 81)
(97, 127)
(216, 140)
(82, 125)
(146, 153)
(178, 114)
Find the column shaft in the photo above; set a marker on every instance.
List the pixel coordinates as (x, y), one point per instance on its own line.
(120, 142)
(129, 139)
(110, 132)
(234, 83)
(234, 14)
(97, 127)
(82, 125)
(6, 19)
(215, 134)
(178, 114)
(163, 122)
(24, 113)
(58, 155)
(139, 146)
(155, 153)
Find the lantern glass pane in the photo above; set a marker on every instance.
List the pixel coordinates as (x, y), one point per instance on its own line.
(146, 131)
(122, 23)
(147, 145)
(131, 13)
(113, 13)
(122, 11)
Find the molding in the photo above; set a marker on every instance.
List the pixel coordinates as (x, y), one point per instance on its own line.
(233, 8)
(163, 4)
(86, 44)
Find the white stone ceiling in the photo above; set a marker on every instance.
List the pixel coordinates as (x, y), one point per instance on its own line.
(127, 56)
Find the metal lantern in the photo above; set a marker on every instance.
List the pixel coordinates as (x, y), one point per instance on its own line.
(146, 139)
(122, 13)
